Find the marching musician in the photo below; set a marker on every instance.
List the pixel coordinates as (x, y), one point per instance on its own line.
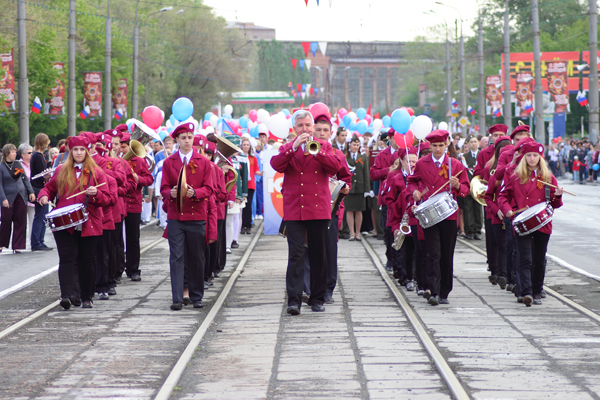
(355, 203)
(432, 173)
(77, 245)
(186, 227)
(528, 187)
(306, 209)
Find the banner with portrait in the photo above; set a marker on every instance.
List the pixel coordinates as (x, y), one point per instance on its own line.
(524, 93)
(92, 93)
(558, 86)
(493, 95)
(273, 198)
(7, 78)
(120, 97)
(55, 104)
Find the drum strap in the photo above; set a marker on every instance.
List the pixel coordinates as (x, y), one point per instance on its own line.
(87, 195)
(547, 194)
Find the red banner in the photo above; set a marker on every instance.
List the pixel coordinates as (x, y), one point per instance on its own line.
(56, 101)
(524, 92)
(7, 79)
(92, 93)
(493, 95)
(557, 86)
(523, 62)
(120, 96)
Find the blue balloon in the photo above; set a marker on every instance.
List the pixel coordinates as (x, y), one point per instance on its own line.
(183, 108)
(170, 129)
(207, 116)
(362, 127)
(353, 126)
(361, 113)
(173, 120)
(244, 122)
(412, 118)
(370, 129)
(596, 167)
(254, 132)
(401, 121)
(347, 120)
(387, 121)
(286, 111)
(162, 135)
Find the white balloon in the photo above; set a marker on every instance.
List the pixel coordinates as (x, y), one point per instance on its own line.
(210, 129)
(352, 115)
(278, 125)
(263, 116)
(169, 124)
(262, 128)
(213, 121)
(251, 125)
(228, 109)
(377, 124)
(290, 125)
(421, 126)
(443, 126)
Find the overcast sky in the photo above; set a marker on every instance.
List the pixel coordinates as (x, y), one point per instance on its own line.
(346, 20)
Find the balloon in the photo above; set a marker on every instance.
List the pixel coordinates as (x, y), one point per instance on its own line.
(362, 126)
(370, 129)
(361, 113)
(412, 118)
(162, 135)
(286, 111)
(252, 115)
(228, 109)
(596, 167)
(234, 125)
(210, 129)
(278, 125)
(183, 108)
(406, 140)
(208, 115)
(353, 126)
(400, 121)
(244, 122)
(168, 124)
(263, 116)
(411, 112)
(173, 120)
(443, 126)
(205, 124)
(262, 128)
(377, 125)
(352, 115)
(421, 126)
(342, 112)
(347, 120)
(369, 119)
(152, 116)
(251, 125)
(170, 129)
(254, 131)
(213, 121)
(386, 121)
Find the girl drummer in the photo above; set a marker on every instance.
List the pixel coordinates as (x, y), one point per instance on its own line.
(77, 245)
(526, 187)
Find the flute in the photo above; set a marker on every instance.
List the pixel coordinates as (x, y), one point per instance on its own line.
(44, 172)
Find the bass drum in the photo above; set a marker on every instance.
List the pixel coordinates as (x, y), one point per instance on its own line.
(435, 209)
(533, 219)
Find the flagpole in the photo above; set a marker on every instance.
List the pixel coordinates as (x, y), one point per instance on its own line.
(23, 80)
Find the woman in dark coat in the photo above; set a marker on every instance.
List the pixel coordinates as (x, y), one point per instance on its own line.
(15, 190)
(355, 202)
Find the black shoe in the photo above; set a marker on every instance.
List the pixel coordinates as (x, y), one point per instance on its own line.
(136, 277)
(404, 282)
(379, 237)
(345, 237)
(477, 237)
(469, 236)
(502, 282)
(329, 299)
(420, 292)
(509, 287)
(519, 299)
(389, 268)
(444, 301)
(76, 302)
(396, 274)
(198, 304)
(305, 298)
(234, 245)
(42, 248)
(143, 222)
(514, 289)
(410, 286)
(65, 303)
(118, 280)
(87, 304)
(318, 307)
(216, 274)
(243, 231)
(248, 231)
(434, 300)
(103, 296)
(493, 279)
(176, 306)
(206, 285)
(527, 300)
(543, 294)
(293, 310)
(112, 291)
(427, 294)
(186, 301)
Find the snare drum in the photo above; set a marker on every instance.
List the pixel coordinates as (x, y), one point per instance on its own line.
(436, 209)
(533, 219)
(66, 217)
(335, 187)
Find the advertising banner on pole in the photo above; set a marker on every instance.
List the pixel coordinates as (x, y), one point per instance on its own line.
(120, 97)
(558, 86)
(273, 198)
(55, 104)
(493, 95)
(92, 93)
(7, 79)
(524, 93)
(523, 62)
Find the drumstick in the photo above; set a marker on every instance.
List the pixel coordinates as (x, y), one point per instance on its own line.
(520, 210)
(444, 185)
(551, 185)
(77, 194)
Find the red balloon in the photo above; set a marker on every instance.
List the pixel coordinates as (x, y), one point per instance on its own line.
(369, 119)
(404, 141)
(239, 131)
(205, 124)
(411, 112)
(153, 117)
(252, 115)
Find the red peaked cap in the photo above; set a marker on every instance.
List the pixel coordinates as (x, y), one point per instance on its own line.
(210, 146)
(199, 140)
(520, 128)
(110, 133)
(320, 112)
(424, 146)
(100, 137)
(498, 128)
(81, 140)
(501, 138)
(402, 152)
(91, 138)
(183, 128)
(533, 147)
(437, 136)
(523, 142)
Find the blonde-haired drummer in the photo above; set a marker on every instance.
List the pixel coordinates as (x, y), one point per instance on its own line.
(77, 245)
(526, 189)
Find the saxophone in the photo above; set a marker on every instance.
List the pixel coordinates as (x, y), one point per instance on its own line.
(404, 231)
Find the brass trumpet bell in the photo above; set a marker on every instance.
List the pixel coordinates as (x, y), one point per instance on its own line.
(478, 189)
(136, 149)
(313, 147)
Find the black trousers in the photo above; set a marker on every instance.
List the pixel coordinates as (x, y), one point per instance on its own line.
(345, 228)
(113, 255)
(331, 249)
(406, 260)
(132, 239)
(420, 259)
(103, 251)
(440, 240)
(499, 264)
(511, 255)
(315, 231)
(247, 211)
(221, 249)
(119, 249)
(187, 245)
(76, 274)
(211, 255)
(388, 239)
(489, 239)
(532, 262)
(473, 215)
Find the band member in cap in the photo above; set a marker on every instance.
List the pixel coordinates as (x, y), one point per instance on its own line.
(306, 209)
(186, 227)
(142, 177)
(432, 173)
(77, 246)
(526, 187)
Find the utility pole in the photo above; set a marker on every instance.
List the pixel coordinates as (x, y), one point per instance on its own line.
(481, 90)
(107, 76)
(507, 94)
(448, 87)
(134, 78)
(23, 80)
(593, 77)
(463, 92)
(71, 97)
(540, 131)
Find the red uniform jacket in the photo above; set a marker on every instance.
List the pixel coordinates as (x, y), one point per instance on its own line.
(134, 200)
(99, 160)
(199, 176)
(342, 175)
(93, 226)
(108, 222)
(397, 204)
(127, 188)
(482, 158)
(305, 188)
(491, 200)
(219, 189)
(381, 166)
(212, 231)
(427, 175)
(116, 169)
(504, 160)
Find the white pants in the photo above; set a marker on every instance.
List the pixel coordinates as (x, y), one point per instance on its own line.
(162, 215)
(237, 224)
(30, 214)
(146, 211)
(229, 229)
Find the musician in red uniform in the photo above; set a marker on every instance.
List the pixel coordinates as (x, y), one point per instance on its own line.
(77, 245)
(432, 173)
(186, 227)
(142, 177)
(526, 188)
(306, 210)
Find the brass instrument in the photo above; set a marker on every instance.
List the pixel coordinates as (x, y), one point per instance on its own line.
(141, 135)
(478, 189)
(232, 182)
(313, 147)
(404, 231)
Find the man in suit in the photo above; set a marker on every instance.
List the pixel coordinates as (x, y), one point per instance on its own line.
(306, 210)
(472, 209)
(340, 140)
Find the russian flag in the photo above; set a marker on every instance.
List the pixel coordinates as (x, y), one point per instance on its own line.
(497, 113)
(582, 98)
(528, 106)
(37, 106)
(454, 103)
(471, 110)
(85, 112)
(118, 115)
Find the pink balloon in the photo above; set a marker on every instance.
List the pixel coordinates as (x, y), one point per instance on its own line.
(205, 124)
(153, 117)
(404, 141)
(252, 115)
(411, 112)
(239, 131)
(342, 112)
(288, 116)
(234, 125)
(369, 119)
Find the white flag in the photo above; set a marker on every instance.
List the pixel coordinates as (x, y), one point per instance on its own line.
(307, 63)
(323, 45)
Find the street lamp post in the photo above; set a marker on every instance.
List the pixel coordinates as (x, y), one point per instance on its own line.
(507, 94)
(446, 67)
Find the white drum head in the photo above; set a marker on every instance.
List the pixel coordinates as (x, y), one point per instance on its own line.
(64, 210)
(531, 211)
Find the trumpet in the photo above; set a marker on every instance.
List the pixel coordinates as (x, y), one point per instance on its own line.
(313, 147)
(478, 188)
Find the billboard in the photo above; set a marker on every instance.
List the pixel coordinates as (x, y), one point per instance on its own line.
(523, 62)
(55, 104)
(120, 96)
(493, 95)
(92, 93)
(556, 77)
(524, 93)
(7, 79)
